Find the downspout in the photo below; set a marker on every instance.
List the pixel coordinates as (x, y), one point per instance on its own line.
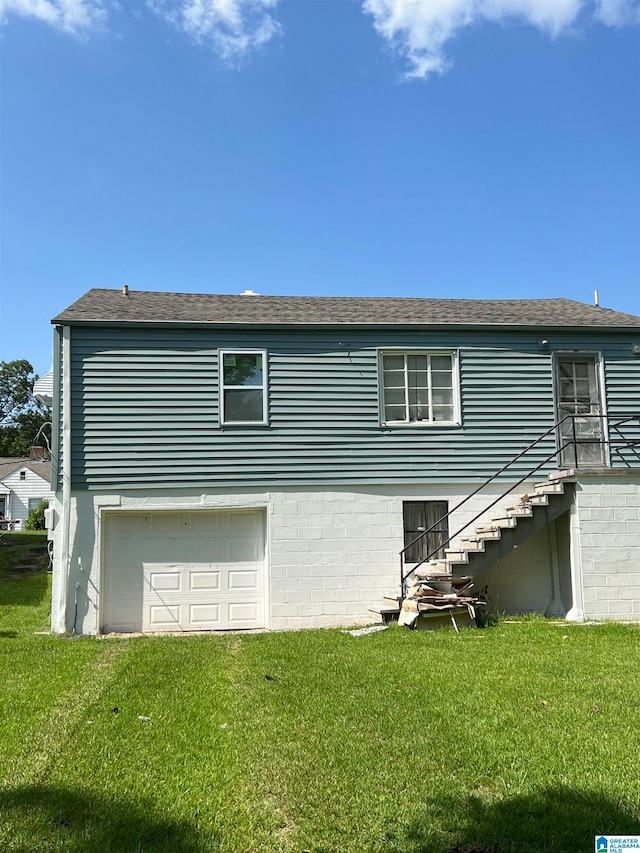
(576, 613)
(65, 555)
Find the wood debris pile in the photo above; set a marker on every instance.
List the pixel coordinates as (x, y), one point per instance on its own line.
(434, 594)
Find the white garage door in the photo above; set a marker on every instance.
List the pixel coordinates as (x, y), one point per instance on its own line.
(183, 571)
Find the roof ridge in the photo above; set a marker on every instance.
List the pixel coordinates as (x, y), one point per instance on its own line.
(101, 305)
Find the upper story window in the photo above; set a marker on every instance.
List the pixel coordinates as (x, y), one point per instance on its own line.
(420, 388)
(23, 475)
(243, 387)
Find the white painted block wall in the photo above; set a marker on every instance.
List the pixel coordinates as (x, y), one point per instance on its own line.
(607, 529)
(331, 554)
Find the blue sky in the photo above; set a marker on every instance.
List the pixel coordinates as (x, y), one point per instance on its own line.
(441, 148)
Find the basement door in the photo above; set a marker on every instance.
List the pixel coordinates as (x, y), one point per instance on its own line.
(183, 571)
(582, 435)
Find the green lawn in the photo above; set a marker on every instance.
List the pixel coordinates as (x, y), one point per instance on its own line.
(519, 738)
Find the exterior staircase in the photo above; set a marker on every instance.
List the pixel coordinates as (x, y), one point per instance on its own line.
(532, 512)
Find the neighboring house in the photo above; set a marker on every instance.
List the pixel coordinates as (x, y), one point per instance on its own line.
(23, 485)
(43, 389)
(259, 462)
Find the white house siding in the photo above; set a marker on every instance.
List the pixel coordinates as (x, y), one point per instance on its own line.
(33, 486)
(331, 553)
(43, 388)
(608, 528)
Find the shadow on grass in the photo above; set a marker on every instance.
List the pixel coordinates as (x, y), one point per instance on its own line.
(42, 818)
(23, 538)
(555, 820)
(24, 591)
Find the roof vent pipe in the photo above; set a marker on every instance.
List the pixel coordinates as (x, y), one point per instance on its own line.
(125, 290)
(596, 298)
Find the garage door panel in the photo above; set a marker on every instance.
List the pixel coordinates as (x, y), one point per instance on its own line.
(186, 571)
(163, 617)
(122, 552)
(204, 550)
(244, 551)
(205, 616)
(123, 584)
(204, 523)
(168, 525)
(245, 521)
(163, 579)
(242, 612)
(126, 524)
(124, 614)
(204, 581)
(161, 549)
(118, 553)
(243, 579)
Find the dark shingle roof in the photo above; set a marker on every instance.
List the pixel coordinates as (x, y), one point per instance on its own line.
(110, 306)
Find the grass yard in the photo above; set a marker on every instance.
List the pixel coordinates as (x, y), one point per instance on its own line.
(519, 738)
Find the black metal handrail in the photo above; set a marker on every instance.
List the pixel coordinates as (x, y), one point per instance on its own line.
(574, 442)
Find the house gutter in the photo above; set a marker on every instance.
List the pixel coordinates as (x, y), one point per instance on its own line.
(402, 325)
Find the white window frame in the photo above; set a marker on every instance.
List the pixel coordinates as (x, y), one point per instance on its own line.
(223, 387)
(455, 381)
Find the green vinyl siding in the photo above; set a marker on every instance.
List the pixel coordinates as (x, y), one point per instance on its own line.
(145, 409)
(622, 383)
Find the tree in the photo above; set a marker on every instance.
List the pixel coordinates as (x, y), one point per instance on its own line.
(35, 519)
(21, 415)
(17, 438)
(16, 387)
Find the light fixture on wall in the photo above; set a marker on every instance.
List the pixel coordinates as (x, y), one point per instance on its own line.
(636, 349)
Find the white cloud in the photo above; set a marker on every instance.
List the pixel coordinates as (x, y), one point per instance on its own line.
(230, 27)
(618, 13)
(551, 16)
(420, 29)
(71, 16)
